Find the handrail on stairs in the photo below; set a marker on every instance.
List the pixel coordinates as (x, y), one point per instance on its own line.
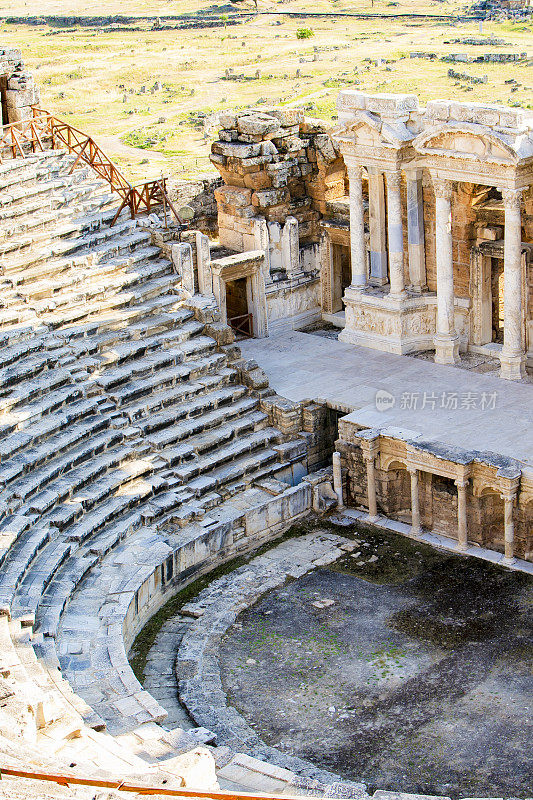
(32, 133)
(122, 786)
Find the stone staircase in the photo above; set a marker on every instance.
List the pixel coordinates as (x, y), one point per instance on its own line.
(125, 436)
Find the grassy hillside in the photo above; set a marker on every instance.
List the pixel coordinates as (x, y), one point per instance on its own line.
(149, 96)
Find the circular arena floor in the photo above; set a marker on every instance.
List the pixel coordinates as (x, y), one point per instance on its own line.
(398, 665)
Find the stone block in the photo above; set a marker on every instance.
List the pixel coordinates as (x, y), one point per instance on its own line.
(256, 520)
(325, 147)
(228, 135)
(15, 56)
(226, 220)
(286, 116)
(19, 98)
(438, 109)
(486, 115)
(196, 769)
(234, 196)
(270, 197)
(243, 225)
(236, 149)
(257, 181)
(268, 148)
(250, 138)
(21, 81)
(460, 112)
(228, 119)
(293, 144)
(256, 161)
(351, 99)
(509, 119)
(249, 241)
(20, 114)
(257, 123)
(231, 239)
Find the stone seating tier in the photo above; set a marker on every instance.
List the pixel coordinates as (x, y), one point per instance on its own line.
(126, 440)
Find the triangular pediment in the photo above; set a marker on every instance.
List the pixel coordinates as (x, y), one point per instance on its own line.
(368, 130)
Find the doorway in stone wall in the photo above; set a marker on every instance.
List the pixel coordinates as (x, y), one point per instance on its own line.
(497, 299)
(237, 307)
(342, 274)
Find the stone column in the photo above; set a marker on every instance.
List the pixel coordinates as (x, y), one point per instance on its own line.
(395, 231)
(290, 246)
(415, 230)
(462, 526)
(416, 527)
(512, 355)
(508, 500)
(446, 339)
(262, 242)
(183, 263)
(219, 290)
(371, 486)
(378, 232)
(259, 305)
(357, 228)
(326, 274)
(203, 260)
(337, 479)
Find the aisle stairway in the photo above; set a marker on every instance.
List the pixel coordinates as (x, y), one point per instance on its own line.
(119, 417)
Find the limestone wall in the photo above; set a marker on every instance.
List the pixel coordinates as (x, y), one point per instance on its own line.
(275, 165)
(18, 90)
(198, 554)
(293, 304)
(488, 478)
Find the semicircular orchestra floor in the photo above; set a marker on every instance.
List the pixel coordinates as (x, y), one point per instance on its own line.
(401, 666)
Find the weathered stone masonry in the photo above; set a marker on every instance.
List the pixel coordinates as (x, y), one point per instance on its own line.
(418, 220)
(472, 497)
(280, 171)
(17, 88)
(458, 244)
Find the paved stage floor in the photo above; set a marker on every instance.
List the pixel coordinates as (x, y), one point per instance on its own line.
(446, 404)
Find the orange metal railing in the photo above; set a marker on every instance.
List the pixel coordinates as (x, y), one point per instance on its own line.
(123, 786)
(243, 324)
(34, 132)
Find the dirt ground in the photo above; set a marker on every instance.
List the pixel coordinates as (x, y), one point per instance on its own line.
(401, 666)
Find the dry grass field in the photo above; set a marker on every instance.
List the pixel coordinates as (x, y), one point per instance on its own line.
(150, 96)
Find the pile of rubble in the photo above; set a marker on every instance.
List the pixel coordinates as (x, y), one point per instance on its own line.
(21, 92)
(275, 164)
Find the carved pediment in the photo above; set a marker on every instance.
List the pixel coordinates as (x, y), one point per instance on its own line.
(470, 142)
(368, 130)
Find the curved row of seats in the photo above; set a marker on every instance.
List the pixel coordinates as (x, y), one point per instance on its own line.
(118, 417)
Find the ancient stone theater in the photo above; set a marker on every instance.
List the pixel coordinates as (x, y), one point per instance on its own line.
(337, 330)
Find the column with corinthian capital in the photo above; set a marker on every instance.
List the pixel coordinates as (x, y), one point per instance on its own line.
(446, 338)
(512, 356)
